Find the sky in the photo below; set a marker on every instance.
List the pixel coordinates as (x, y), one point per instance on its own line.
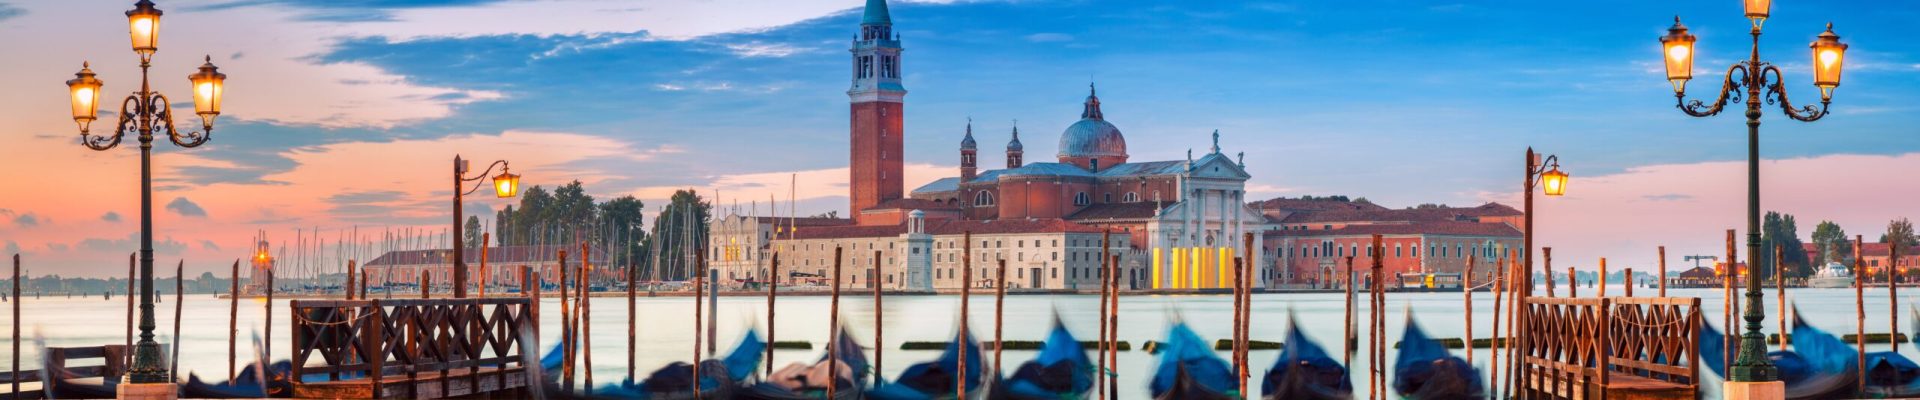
(345, 114)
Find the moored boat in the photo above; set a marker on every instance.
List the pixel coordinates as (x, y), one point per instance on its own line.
(1305, 371)
(1425, 370)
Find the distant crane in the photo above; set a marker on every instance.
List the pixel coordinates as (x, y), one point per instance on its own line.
(1696, 259)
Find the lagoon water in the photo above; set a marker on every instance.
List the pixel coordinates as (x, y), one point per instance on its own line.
(666, 333)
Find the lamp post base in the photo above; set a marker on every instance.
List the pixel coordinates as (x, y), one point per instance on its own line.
(1772, 390)
(147, 391)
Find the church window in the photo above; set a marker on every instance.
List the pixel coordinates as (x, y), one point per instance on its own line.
(1109, 197)
(983, 199)
(1131, 197)
(1081, 199)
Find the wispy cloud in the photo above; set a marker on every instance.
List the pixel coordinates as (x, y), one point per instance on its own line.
(1047, 37)
(760, 49)
(185, 208)
(110, 216)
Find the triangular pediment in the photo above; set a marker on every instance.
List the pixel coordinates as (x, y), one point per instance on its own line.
(1216, 166)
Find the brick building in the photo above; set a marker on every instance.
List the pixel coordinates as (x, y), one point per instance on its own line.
(1311, 239)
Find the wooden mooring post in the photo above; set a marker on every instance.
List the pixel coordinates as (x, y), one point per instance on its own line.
(773, 288)
(16, 324)
(833, 325)
(879, 315)
(966, 289)
(1780, 288)
(1349, 344)
(233, 322)
(1860, 315)
(586, 319)
(179, 303)
(1100, 355)
(1000, 311)
(1663, 271)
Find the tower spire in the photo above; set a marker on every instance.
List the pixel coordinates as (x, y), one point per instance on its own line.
(876, 14)
(1015, 150)
(1093, 104)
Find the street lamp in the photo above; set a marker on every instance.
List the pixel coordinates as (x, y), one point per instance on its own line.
(505, 185)
(1751, 364)
(144, 113)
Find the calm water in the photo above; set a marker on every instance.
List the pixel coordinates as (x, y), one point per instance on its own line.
(665, 332)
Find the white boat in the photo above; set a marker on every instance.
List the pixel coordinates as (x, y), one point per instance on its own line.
(1834, 275)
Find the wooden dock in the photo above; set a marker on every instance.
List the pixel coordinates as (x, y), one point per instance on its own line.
(1610, 348)
(412, 348)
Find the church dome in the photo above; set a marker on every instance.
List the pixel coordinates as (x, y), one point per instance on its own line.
(1092, 136)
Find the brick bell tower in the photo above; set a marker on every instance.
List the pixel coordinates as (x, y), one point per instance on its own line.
(877, 126)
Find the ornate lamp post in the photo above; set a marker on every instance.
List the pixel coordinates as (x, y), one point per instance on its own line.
(1543, 173)
(1757, 78)
(505, 185)
(143, 114)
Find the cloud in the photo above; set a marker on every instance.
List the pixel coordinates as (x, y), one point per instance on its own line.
(1046, 37)
(8, 11)
(758, 49)
(128, 244)
(186, 208)
(209, 245)
(13, 247)
(110, 216)
(27, 220)
(1667, 197)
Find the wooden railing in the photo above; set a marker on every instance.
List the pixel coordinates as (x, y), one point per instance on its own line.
(465, 346)
(1589, 347)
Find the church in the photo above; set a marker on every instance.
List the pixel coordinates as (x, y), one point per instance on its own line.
(1174, 224)
(1169, 224)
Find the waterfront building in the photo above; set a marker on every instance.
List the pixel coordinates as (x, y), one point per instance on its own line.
(1312, 239)
(403, 267)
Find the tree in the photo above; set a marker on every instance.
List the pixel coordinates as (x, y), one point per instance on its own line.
(679, 229)
(472, 232)
(828, 214)
(1901, 230)
(621, 217)
(1779, 230)
(1833, 244)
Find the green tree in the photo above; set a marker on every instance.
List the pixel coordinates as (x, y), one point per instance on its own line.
(679, 229)
(472, 232)
(1833, 243)
(1779, 230)
(1901, 230)
(621, 218)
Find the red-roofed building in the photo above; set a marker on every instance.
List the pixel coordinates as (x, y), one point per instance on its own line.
(1312, 239)
(923, 253)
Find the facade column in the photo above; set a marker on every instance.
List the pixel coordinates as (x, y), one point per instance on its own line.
(1197, 273)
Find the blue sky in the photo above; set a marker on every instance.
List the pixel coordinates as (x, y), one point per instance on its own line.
(1404, 102)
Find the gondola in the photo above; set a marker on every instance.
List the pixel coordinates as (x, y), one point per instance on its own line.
(1189, 369)
(799, 381)
(1305, 371)
(249, 384)
(1891, 375)
(1061, 371)
(937, 379)
(1425, 370)
(719, 378)
(1820, 366)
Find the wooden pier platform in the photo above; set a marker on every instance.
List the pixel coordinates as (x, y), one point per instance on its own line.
(417, 349)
